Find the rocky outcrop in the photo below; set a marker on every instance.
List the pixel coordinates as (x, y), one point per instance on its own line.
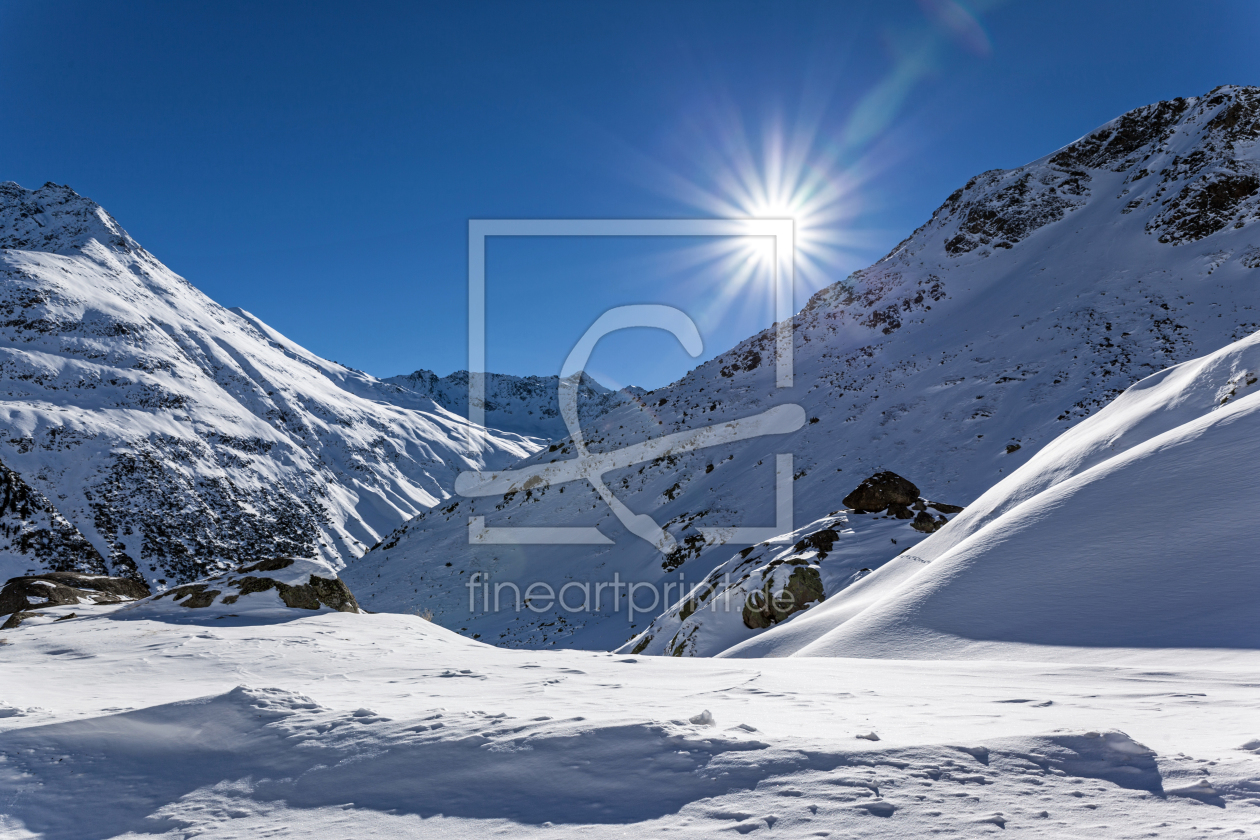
(879, 491)
(770, 583)
(299, 584)
(57, 589)
(21, 596)
(764, 608)
(889, 492)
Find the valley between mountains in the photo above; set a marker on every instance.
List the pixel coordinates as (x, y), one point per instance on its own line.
(1017, 593)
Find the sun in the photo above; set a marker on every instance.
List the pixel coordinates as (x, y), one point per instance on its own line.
(774, 172)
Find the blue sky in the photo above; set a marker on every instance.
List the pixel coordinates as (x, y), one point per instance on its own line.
(316, 163)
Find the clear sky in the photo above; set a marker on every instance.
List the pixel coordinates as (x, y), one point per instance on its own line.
(316, 163)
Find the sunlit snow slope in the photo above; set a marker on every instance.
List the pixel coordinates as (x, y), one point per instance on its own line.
(176, 436)
(1029, 300)
(1133, 530)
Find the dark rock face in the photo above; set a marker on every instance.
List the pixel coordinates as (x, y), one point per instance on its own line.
(60, 588)
(765, 609)
(881, 490)
(1204, 207)
(926, 523)
(890, 493)
(17, 618)
(820, 541)
(31, 526)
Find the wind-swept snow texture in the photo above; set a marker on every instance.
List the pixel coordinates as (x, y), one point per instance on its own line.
(174, 437)
(1132, 530)
(127, 722)
(1031, 299)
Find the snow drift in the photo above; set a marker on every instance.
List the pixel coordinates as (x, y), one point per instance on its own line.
(1133, 530)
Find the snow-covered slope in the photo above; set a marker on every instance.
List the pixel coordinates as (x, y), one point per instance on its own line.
(129, 723)
(177, 437)
(526, 405)
(1029, 300)
(1133, 530)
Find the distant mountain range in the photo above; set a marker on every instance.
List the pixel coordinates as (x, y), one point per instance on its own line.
(146, 431)
(526, 405)
(1028, 301)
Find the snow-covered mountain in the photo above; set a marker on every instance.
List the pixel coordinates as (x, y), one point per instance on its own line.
(526, 405)
(1029, 300)
(146, 430)
(1132, 530)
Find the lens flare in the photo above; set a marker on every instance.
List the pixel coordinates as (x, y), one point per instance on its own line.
(784, 172)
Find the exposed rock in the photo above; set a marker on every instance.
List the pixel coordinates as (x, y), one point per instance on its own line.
(193, 596)
(927, 524)
(899, 498)
(300, 584)
(60, 588)
(820, 541)
(765, 609)
(16, 619)
(879, 491)
(1203, 207)
(769, 583)
(33, 529)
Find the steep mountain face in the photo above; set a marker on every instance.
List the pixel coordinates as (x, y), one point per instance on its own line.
(524, 405)
(149, 432)
(1132, 530)
(33, 531)
(1029, 300)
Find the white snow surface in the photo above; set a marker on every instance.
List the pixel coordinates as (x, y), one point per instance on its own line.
(1031, 299)
(180, 437)
(351, 725)
(1132, 530)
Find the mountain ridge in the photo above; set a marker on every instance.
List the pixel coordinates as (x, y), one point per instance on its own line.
(181, 438)
(526, 405)
(1029, 300)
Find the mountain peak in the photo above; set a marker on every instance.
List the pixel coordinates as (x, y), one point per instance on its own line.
(1189, 167)
(57, 220)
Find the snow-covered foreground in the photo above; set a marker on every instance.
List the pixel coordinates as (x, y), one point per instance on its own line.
(350, 725)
